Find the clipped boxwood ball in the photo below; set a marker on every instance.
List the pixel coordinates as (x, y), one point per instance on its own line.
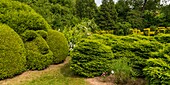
(58, 45)
(38, 54)
(21, 17)
(12, 53)
(90, 58)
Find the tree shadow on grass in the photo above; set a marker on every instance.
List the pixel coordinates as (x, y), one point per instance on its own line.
(67, 72)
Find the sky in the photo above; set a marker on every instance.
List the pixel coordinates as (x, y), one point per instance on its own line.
(99, 2)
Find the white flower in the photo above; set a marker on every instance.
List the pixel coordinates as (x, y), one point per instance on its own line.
(112, 72)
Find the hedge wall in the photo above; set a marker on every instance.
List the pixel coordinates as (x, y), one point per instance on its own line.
(12, 53)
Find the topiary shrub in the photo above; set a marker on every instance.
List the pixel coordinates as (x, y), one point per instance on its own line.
(58, 45)
(90, 58)
(38, 54)
(12, 53)
(21, 17)
(42, 33)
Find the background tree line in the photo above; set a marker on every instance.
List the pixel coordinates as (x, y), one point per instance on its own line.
(120, 16)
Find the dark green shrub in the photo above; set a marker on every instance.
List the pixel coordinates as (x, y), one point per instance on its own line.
(58, 45)
(12, 53)
(163, 38)
(21, 17)
(91, 58)
(38, 54)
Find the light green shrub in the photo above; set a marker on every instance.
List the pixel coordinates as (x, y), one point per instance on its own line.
(136, 48)
(158, 68)
(39, 55)
(163, 38)
(58, 45)
(12, 53)
(42, 33)
(91, 58)
(21, 17)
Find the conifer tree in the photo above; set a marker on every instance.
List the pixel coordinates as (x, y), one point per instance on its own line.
(107, 16)
(86, 8)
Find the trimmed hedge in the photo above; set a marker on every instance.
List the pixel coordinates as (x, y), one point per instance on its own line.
(91, 58)
(58, 45)
(39, 55)
(21, 17)
(12, 53)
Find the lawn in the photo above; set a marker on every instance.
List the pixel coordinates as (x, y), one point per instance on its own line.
(54, 75)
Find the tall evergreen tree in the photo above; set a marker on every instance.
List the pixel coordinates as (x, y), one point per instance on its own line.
(122, 8)
(86, 8)
(107, 15)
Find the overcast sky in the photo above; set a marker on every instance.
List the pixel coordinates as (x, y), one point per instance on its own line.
(99, 2)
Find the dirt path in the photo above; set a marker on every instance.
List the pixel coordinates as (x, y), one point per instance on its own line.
(97, 81)
(30, 75)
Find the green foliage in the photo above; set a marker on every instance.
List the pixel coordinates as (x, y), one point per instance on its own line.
(122, 70)
(122, 28)
(107, 16)
(163, 38)
(12, 53)
(58, 45)
(86, 8)
(158, 68)
(91, 58)
(39, 55)
(135, 19)
(122, 8)
(21, 17)
(81, 30)
(42, 33)
(136, 48)
(58, 13)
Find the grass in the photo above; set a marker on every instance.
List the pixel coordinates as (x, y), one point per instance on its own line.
(62, 76)
(54, 75)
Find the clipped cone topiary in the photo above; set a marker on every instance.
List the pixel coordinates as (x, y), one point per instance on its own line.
(12, 53)
(58, 45)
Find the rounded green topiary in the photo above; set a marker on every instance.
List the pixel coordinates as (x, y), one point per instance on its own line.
(91, 58)
(38, 54)
(58, 45)
(21, 17)
(12, 53)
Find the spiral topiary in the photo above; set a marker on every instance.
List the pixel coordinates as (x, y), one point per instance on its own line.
(12, 53)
